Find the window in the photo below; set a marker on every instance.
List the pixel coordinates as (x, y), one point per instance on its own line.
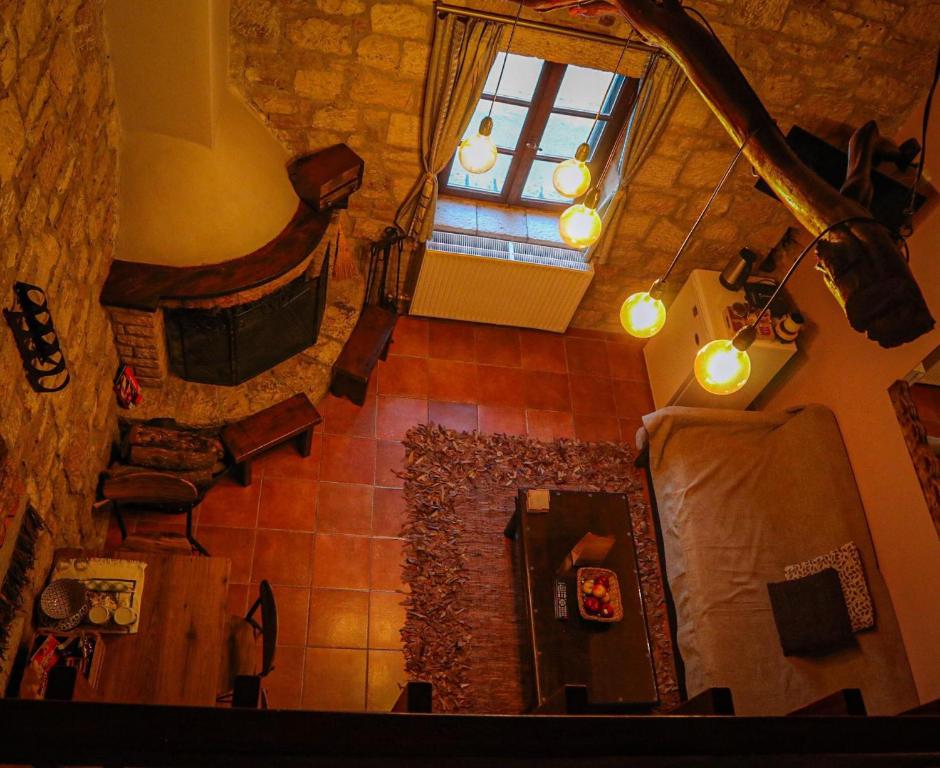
(543, 112)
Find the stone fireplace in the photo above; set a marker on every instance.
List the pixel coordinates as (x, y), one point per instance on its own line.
(233, 344)
(217, 342)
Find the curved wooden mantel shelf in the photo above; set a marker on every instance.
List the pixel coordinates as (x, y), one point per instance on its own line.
(133, 285)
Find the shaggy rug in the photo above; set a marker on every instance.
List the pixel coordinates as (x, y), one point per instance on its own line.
(464, 622)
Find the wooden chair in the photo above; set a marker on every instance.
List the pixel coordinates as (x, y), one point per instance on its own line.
(845, 702)
(416, 696)
(929, 709)
(157, 491)
(238, 652)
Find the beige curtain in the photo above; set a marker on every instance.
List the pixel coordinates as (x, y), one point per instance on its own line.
(461, 57)
(662, 85)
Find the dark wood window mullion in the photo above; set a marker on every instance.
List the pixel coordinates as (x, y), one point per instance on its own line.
(527, 148)
(614, 124)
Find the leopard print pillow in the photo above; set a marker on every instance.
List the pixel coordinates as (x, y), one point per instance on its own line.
(848, 564)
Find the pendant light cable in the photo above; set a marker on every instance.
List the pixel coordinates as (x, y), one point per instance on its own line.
(502, 69)
(597, 116)
(708, 205)
(925, 123)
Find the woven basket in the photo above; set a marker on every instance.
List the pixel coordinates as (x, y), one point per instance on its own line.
(589, 574)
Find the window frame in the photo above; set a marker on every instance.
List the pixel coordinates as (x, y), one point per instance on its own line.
(526, 152)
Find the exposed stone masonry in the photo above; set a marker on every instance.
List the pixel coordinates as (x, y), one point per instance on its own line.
(58, 184)
(140, 341)
(353, 70)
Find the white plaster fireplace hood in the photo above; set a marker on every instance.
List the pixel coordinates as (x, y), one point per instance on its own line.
(202, 180)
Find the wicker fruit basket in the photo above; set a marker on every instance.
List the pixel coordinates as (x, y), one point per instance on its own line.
(612, 589)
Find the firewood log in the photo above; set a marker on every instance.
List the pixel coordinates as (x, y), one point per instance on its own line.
(173, 439)
(166, 458)
(201, 478)
(860, 261)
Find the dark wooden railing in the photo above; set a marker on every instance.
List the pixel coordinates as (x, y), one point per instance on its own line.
(66, 733)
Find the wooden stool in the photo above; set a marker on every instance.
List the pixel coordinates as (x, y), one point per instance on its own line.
(367, 343)
(246, 439)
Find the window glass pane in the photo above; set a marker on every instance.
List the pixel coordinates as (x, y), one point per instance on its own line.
(563, 134)
(583, 89)
(492, 181)
(519, 79)
(539, 184)
(508, 120)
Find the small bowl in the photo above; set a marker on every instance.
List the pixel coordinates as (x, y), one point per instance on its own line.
(124, 616)
(99, 614)
(63, 599)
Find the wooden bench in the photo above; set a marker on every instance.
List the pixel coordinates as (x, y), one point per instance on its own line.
(246, 439)
(368, 343)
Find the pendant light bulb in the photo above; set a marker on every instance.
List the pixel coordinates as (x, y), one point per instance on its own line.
(643, 314)
(721, 367)
(477, 154)
(572, 178)
(580, 224)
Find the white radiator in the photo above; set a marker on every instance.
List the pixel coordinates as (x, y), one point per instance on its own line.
(486, 280)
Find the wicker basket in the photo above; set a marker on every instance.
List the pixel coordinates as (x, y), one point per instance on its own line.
(589, 574)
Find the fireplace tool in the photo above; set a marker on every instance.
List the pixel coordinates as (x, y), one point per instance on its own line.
(380, 257)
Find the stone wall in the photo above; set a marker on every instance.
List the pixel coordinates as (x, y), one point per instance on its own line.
(353, 70)
(58, 185)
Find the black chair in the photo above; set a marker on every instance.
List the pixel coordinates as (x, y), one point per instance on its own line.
(239, 678)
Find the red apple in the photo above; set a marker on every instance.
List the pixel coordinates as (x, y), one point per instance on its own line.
(592, 605)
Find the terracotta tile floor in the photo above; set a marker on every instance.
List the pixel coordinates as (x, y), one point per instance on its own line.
(324, 530)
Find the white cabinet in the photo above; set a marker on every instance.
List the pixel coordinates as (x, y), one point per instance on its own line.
(695, 318)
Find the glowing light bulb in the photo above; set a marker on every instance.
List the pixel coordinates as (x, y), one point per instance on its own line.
(580, 226)
(478, 153)
(642, 316)
(572, 178)
(721, 368)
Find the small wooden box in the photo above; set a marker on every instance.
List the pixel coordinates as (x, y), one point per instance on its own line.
(34, 680)
(326, 179)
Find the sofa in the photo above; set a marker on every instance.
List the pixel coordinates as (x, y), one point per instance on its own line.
(740, 495)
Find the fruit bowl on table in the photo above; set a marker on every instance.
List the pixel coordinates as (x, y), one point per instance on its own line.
(602, 602)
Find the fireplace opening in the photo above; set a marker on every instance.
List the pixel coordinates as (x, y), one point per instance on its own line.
(230, 345)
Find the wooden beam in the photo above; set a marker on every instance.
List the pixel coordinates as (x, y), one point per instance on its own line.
(860, 261)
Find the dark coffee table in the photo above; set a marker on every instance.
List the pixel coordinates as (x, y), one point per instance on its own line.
(579, 663)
